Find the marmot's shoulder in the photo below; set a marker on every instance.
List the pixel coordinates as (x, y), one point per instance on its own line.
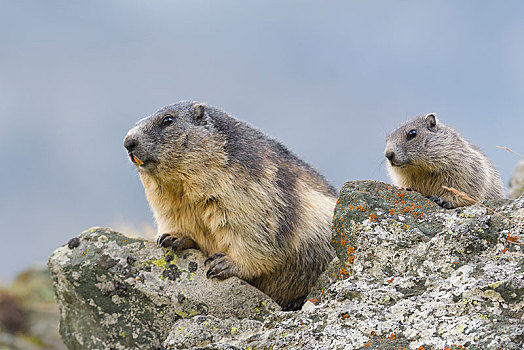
(253, 149)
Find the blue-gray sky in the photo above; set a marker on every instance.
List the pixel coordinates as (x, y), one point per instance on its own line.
(329, 79)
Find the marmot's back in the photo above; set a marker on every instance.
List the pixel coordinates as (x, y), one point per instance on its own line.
(425, 155)
(215, 183)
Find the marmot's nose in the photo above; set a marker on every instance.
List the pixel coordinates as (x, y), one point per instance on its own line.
(130, 143)
(390, 155)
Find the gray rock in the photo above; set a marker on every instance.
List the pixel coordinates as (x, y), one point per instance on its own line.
(118, 292)
(516, 183)
(412, 275)
(29, 316)
(408, 274)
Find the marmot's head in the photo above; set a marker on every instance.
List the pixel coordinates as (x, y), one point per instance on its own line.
(414, 143)
(177, 139)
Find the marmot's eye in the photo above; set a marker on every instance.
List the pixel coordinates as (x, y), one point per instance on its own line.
(167, 120)
(411, 134)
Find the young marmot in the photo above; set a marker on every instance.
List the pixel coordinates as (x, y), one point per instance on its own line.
(425, 155)
(253, 207)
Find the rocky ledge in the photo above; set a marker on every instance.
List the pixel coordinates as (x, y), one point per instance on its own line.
(408, 275)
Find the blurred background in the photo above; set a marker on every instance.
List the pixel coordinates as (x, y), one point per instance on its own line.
(329, 79)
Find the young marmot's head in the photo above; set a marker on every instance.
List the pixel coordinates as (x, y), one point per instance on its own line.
(415, 143)
(177, 139)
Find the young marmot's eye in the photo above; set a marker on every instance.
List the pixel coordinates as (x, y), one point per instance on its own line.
(411, 134)
(168, 120)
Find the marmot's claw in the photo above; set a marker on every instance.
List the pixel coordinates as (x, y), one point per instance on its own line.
(221, 266)
(442, 202)
(213, 257)
(165, 240)
(448, 205)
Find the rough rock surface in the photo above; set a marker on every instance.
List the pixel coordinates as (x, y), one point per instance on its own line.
(28, 313)
(116, 292)
(409, 275)
(516, 183)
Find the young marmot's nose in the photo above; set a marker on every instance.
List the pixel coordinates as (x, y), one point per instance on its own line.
(130, 143)
(390, 155)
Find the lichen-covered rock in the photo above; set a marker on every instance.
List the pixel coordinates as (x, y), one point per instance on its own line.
(408, 274)
(412, 275)
(516, 183)
(116, 292)
(211, 331)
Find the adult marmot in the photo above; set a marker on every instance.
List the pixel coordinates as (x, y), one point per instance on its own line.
(425, 155)
(253, 207)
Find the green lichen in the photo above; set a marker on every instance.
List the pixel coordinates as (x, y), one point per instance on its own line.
(159, 262)
(190, 276)
(181, 313)
(461, 328)
(495, 285)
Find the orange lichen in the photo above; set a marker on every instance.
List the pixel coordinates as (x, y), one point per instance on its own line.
(343, 274)
(392, 336)
(505, 250)
(512, 239)
(351, 253)
(372, 217)
(84, 253)
(390, 280)
(368, 343)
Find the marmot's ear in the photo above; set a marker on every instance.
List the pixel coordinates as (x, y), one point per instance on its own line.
(431, 121)
(199, 114)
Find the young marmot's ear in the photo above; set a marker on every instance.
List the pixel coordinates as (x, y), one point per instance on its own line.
(199, 114)
(431, 121)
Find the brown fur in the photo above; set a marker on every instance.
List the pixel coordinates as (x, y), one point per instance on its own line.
(206, 194)
(439, 156)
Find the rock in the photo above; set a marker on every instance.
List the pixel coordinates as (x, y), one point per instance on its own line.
(28, 313)
(408, 274)
(119, 292)
(516, 183)
(412, 275)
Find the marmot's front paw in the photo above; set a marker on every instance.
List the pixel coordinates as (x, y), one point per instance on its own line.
(442, 202)
(221, 266)
(167, 240)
